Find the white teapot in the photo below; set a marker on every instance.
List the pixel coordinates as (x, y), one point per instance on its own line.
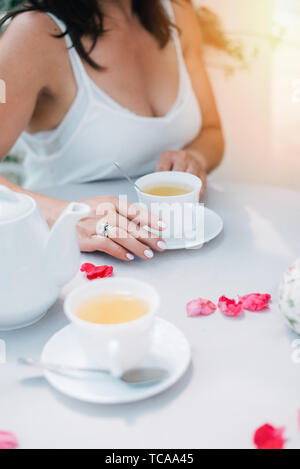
(34, 262)
(289, 296)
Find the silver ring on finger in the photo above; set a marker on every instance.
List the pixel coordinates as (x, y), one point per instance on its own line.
(103, 229)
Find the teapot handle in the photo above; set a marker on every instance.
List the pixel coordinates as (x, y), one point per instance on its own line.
(61, 251)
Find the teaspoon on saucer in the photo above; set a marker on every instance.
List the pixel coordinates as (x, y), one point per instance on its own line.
(134, 376)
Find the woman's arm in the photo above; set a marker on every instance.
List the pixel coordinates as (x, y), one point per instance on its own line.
(28, 65)
(24, 72)
(210, 142)
(205, 153)
(50, 208)
(22, 67)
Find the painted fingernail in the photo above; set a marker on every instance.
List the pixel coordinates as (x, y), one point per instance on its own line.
(162, 224)
(130, 257)
(161, 245)
(149, 254)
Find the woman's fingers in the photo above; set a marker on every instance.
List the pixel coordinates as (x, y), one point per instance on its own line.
(204, 187)
(140, 215)
(180, 164)
(156, 243)
(195, 169)
(99, 243)
(131, 244)
(115, 219)
(127, 237)
(136, 231)
(165, 162)
(121, 245)
(111, 209)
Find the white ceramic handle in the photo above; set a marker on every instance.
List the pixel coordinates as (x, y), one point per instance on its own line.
(7, 194)
(78, 209)
(115, 362)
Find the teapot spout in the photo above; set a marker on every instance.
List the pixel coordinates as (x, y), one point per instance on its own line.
(62, 251)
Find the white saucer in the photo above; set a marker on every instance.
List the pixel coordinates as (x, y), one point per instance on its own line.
(170, 350)
(213, 226)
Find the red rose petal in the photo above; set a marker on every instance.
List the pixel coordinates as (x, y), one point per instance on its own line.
(103, 271)
(87, 267)
(96, 273)
(200, 307)
(268, 437)
(93, 272)
(229, 307)
(255, 302)
(8, 441)
(108, 272)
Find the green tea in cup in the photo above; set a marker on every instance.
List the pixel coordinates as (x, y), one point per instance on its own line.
(112, 308)
(167, 190)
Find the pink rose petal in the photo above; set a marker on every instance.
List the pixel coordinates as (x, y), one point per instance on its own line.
(268, 437)
(200, 307)
(255, 301)
(229, 307)
(8, 441)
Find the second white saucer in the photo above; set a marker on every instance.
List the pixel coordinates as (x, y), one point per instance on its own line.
(170, 350)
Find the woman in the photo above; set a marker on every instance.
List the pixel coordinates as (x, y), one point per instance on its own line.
(130, 87)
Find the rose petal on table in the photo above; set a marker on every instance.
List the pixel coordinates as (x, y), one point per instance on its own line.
(200, 307)
(230, 307)
(269, 437)
(8, 440)
(93, 272)
(87, 267)
(256, 301)
(103, 271)
(96, 272)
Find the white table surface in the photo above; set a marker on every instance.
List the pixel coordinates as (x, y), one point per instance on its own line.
(242, 374)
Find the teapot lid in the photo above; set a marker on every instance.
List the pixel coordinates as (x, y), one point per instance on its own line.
(13, 205)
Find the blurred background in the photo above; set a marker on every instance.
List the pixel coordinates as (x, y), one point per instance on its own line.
(252, 52)
(258, 92)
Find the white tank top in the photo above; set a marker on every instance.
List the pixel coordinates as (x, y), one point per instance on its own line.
(97, 131)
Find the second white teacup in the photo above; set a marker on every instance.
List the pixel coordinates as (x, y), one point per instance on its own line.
(114, 347)
(180, 212)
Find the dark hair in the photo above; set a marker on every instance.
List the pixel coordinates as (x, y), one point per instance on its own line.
(85, 18)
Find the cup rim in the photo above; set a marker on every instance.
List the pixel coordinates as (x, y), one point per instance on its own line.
(197, 186)
(153, 309)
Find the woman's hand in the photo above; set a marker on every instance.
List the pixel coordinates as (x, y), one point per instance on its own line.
(127, 237)
(186, 162)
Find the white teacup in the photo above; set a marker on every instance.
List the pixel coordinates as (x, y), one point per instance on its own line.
(179, 212)
(114, 347)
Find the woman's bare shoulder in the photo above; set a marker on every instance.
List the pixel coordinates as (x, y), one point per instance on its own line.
(188, 24)
(28, 49)
(181, 7)
(32, 32)
(33, 22)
